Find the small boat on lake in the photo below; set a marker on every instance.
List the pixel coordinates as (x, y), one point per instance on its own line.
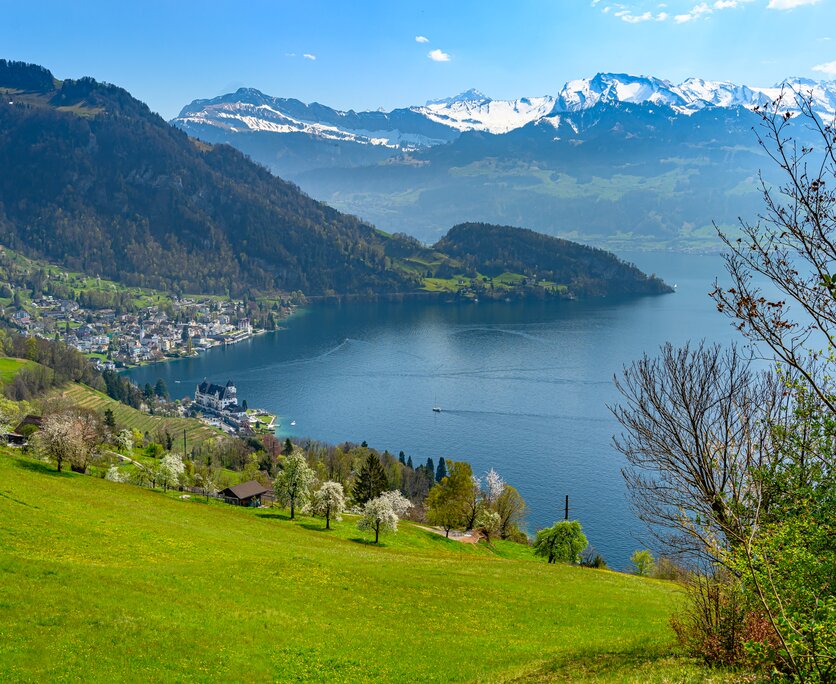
(292, 423)
(437, 409)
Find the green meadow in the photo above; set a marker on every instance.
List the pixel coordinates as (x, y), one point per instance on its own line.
(105, 582)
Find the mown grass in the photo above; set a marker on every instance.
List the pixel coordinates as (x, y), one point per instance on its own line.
(107, 582)
(196, 432)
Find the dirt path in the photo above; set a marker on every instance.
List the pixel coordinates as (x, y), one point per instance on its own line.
(471, 537)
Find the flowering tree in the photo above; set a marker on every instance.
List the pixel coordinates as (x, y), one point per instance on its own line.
(171, 470)
(381, 514)
(71, 436)
(294, 482)
(124, 441)
(114, 474)
(488, 522)
(58, 439)
(493, 487)
(328, 502)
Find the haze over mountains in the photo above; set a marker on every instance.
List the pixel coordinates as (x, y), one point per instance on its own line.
(615, 159)
(104, 186)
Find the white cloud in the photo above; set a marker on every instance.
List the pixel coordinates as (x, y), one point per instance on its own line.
(438, 55)
(422, 39)
(630, 18)
(789, 4)
(309, 56)
(633, 15)
(828, 68)
(696, 12)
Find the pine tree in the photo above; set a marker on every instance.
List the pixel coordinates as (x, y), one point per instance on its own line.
(288, 447)
(430, 467)
(409, 463)
(442, 470)
(371, 481)
(110, 421)
(402, 458)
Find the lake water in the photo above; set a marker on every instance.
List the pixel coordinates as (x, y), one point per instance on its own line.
(524, 387)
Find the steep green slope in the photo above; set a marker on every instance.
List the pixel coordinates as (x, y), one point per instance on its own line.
(104, 186)
(105, 582)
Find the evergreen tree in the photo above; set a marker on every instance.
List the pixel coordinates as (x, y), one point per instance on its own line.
(409, 463)
(110, 421)
(148, 391)
(430, 466)
(441, 472)
(288, 447)
(402, 458)
(160, 389)
(371, 481)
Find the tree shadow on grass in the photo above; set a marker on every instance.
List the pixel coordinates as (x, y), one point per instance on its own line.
(273, 516)
(42, 468)
(367, 542)
(650, 664)
(314, 527)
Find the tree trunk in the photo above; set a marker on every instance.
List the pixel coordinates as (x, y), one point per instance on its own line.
(292, 508)
(376, 532)
(327, 520)
(447, 532)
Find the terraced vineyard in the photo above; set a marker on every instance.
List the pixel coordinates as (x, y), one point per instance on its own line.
(196, 432)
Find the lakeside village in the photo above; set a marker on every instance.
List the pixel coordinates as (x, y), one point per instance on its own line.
(148, 335)
(119, 326)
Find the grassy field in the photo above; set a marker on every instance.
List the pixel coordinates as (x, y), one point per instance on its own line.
(196, 432)
(107, 582)
(10, 367)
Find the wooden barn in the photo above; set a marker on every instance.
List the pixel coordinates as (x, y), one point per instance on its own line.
(245, 494)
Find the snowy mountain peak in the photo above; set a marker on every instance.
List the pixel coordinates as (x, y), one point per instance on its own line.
(471, 95)
(250, 110)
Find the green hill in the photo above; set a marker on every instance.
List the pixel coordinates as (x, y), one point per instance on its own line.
(106, 582)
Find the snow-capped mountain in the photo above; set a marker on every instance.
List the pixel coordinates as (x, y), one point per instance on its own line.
(605, 157)
(473, 111)
(439, 121)
(248, 110)
(691, 95)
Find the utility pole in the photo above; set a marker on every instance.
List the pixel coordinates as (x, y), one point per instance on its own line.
(185, 453)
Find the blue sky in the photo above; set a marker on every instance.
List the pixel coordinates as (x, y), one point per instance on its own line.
(364, 54)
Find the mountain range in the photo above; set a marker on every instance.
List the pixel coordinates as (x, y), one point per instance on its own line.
(615, 159)
(95, 181)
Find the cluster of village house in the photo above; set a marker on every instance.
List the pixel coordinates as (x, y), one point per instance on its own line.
(129, 339)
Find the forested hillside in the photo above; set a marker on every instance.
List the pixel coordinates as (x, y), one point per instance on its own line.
(493, 250)
(103, 185)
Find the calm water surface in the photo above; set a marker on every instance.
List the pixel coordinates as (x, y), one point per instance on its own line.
(524, 387)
